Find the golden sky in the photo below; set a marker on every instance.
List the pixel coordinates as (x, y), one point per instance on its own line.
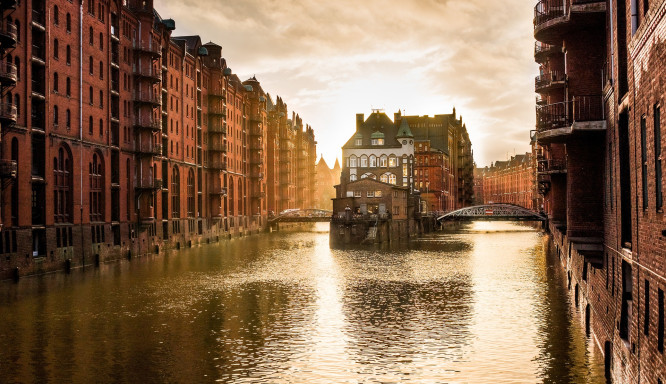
(329, 60)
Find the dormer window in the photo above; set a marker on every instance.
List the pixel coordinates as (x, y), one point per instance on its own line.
(377, 141)
(359, 142)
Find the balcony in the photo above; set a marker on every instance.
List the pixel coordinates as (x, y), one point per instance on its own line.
(148, 123)
(147, 97)
(219, 110)
(152, 149)
(148, 48)
(148, 73)
(550, 80)
(554, 18)
(217, 147)
(8, 169)
(8, 113)
(218, 128)
(543, 182)
(38, 19)
(259, 195)
(8, 35)
(581, 114)
(257, 131)
(551, 166)
(543, 50)
(217, 190)
(217, 165)
(8, 74)
(217, 93)
(148, 183)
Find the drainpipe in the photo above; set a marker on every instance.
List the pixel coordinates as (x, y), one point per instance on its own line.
(83, 254)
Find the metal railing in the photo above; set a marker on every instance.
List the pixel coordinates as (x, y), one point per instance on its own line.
(8, 71)
(551, 165)
(564, 114)
(8, 111)
(147, 97)
(147, 72)
(147, 46)
(8, 168)
(548, 78)
(546, 10)
(540, 48)
(9, 30)
(151, 123)
(148, 183)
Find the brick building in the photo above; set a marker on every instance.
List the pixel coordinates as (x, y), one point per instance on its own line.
(127, 138)
(444, 170)
(599, 128)
(512, 181)
(326, 179)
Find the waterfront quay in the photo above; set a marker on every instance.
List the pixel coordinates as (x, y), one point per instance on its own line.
(482, 303)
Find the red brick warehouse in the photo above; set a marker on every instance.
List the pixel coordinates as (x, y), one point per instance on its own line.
(119, 138)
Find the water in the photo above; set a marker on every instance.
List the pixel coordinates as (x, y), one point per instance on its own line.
(479, 305)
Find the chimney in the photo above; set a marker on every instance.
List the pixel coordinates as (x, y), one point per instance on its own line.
(359, 120)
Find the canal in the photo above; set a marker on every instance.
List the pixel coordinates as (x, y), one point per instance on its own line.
(481, 304)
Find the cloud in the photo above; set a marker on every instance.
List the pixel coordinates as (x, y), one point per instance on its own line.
(331, 60)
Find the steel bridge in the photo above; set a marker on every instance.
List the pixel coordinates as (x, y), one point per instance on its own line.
(302, 216)
(493, 212)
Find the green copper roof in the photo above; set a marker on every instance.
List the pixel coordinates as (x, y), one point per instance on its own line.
(377, 135)
(358, 135)
(404, 130)
(227, 71)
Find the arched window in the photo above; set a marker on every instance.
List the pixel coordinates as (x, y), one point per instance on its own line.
(190, 194)
(90, 34)
(101, 98)
(68, 21)
(352, 161)
(55, 115)
(68, 119)
(101, 41)
(68, 55)
(383, 178)
(56, 50)
(364, 161)
(62, 172)
(393, 161)
(68, 87)
(392, 179)
(101, 70)
(101, 127)
(90, 125)
(55, 82)
(56, 15)
(383, 161)
(373, 161)
(175, 193)
(96, 174)
(352, 177)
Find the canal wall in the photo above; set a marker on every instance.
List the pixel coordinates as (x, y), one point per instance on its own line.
(376, 230)
(84, 253)
(598, 294)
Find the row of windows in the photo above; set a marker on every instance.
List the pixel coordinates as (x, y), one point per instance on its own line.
(373, 162)
(388, 178)
(658, 179)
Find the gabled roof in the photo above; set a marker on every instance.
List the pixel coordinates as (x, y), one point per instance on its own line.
(404, 130)
(377, 123)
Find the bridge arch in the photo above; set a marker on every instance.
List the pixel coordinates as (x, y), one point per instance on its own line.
(490, 212)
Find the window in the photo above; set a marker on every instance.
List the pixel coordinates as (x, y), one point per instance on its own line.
(364, 161)
(101, 41)
(357, 194)
(392, 179)
(646, 328)
(101, 127)
(190, 194)
(393, 162)
(96, 174)
(657, 159)
(378, 193)
(90, 36)
(55, 82)
(68, 55)
(370, 194)
(644, 163)
(68, 21)
(383, 178)
(101, 99)
(352, 177)
(396, 210)
(175, 193)
(373, 161)
(90, 125)
(62, 172)
(55, 116)
(68, 87)
(359, 142)
(56, 15)
(352, 161)
(68, 119)
(101, 70)
(383, 161)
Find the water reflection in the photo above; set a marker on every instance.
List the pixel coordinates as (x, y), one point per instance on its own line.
(477, 304)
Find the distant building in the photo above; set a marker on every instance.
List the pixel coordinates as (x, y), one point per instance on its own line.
(512, 181)
(478, 186)
(326, 179)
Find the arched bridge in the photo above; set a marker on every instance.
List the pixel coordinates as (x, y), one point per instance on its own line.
(302, 216)
(493, 212)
